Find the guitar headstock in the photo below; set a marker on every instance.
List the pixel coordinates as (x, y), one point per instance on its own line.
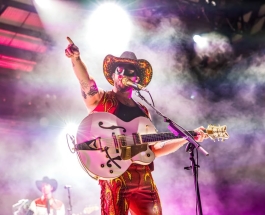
(217, 132)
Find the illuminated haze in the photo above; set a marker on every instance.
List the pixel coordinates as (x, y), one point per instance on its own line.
(231, 178)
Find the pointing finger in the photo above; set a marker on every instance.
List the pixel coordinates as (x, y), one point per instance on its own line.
(69, 40)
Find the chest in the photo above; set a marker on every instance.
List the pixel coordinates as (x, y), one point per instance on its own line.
(128, 113)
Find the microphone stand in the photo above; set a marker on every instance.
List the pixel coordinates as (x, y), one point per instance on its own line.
(177, 130)
(69, 198)
(194, 167)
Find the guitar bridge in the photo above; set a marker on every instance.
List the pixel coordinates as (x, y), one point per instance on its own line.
(131, 147)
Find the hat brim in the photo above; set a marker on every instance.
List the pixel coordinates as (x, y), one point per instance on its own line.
(143, 67)
(52, 182)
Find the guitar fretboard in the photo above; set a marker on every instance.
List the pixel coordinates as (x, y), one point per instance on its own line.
(161, 137)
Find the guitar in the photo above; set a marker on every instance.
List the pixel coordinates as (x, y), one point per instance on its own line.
(106, 146)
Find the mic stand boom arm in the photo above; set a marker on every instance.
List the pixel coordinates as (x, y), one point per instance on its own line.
(177, 130)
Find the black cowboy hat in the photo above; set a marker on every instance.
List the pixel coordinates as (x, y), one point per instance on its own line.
(46, 180)
(143, 67)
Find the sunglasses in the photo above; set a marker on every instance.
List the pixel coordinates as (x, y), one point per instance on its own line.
(127, 70)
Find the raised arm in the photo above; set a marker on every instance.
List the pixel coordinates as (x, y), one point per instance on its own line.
(90, 92)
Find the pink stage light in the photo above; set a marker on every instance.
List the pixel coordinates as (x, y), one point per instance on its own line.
(16, 64)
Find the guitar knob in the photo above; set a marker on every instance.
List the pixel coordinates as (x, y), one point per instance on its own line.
(102, 165)
(111, 171)
(148, 155)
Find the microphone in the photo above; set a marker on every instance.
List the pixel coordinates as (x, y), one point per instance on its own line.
(67, 186)
(127, 82)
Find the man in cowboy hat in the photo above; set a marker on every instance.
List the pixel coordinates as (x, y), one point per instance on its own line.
(134, 190)
(46, 204)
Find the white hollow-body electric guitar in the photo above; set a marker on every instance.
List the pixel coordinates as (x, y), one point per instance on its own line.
(106, 146)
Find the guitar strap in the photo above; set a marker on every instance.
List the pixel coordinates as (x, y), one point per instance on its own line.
(144, 109)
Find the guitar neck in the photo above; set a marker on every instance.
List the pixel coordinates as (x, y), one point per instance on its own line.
(147, 138)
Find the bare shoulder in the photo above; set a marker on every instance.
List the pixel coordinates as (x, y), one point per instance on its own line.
(92, 103)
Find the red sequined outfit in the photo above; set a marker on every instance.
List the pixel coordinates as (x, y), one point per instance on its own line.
(134, 190)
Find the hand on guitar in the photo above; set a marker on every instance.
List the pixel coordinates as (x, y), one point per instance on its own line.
(201, 135)
(72, 50)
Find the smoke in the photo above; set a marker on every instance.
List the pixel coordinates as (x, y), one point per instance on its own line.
(235, 98)
(231, 174)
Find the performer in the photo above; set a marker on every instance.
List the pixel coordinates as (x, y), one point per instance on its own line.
(134, 190)
(46, 204)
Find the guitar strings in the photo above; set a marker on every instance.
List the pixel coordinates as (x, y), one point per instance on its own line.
(130, 140)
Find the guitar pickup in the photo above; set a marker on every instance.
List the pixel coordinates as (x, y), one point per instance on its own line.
(127, 152)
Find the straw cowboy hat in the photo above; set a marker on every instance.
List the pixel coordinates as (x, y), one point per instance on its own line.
(143, 67)
(47, 180)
